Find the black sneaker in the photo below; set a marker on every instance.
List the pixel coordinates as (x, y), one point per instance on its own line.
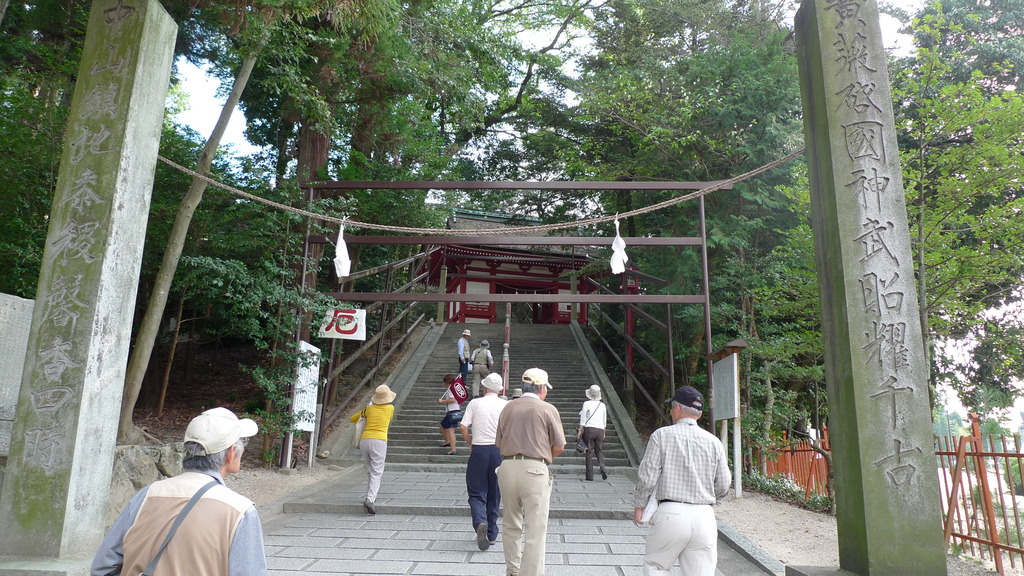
(481, 536)
(369, 507)
(604, 475)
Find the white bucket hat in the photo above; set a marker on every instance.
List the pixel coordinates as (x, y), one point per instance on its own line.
(218, 429)
(493, 381)
(594, 392)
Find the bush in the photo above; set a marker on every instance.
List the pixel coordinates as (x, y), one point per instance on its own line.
(781, 487)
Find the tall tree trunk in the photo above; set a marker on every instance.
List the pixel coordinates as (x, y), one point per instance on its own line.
(148, 331)
(170, 356)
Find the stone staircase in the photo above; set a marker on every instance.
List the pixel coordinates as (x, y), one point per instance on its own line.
(414, 435)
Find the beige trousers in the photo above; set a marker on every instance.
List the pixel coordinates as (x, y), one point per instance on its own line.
(480, 371)
(525, 487)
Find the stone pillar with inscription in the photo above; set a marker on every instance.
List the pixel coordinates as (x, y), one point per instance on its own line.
(54, 494)
(888, 503)
(15, 321)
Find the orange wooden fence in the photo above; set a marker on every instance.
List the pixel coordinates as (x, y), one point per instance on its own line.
(981, 486)
(800, 463)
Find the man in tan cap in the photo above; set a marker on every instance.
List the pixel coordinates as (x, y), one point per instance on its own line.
(221, 535)
(529, 437)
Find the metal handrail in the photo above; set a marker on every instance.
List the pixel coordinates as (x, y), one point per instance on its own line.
(658, 408)
(329, 420)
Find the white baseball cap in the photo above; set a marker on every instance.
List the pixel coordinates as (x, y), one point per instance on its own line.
(218, 429)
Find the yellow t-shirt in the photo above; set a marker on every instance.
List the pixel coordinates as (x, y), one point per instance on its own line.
(378, 418)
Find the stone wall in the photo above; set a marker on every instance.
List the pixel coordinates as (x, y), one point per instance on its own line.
(136, 467)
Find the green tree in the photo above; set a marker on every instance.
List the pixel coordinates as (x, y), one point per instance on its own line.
(961, 149)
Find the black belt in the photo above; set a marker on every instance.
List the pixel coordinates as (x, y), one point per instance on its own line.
(678, 502)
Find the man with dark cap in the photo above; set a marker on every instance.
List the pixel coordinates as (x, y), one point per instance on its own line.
(686, 470)
(529, 437)
(220, 536)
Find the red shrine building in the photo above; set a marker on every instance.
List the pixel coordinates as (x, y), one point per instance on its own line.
(484, 269)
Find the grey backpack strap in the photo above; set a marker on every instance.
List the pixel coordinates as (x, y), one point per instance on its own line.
(174, 527)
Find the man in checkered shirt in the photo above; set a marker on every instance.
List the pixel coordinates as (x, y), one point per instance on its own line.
(686, 470)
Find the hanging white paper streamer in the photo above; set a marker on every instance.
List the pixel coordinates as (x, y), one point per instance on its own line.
(342, 264)
(619, 258)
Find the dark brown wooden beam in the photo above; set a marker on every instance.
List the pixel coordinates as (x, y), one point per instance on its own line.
(478, 185)
(528, 298)
(510, 240)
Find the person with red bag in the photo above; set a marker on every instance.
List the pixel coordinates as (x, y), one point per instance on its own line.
(454, 395)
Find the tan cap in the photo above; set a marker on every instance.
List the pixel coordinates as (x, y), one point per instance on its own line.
(218, 429)
(536, 377)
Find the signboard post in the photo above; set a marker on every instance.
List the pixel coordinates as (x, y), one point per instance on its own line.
(725, 378)
(304, 393)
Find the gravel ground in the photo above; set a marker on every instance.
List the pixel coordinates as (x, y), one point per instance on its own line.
(267, 485)
(798, 536)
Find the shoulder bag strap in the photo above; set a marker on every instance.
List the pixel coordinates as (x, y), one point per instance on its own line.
(174, 527)
(594, 413)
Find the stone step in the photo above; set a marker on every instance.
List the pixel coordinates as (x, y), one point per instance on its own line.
(460, 458)
(413, 437)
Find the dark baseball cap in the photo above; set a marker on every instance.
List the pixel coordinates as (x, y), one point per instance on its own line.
(689, 397)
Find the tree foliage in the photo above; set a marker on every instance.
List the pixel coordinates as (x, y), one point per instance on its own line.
(626, 90)
(962, 153)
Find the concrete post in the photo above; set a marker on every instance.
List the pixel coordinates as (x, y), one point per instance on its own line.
(54, 495)
(888, 514)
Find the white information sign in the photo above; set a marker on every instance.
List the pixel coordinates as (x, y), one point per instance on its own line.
(725, 376)
(306, 381)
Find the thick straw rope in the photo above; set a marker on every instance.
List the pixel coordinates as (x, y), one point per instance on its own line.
(489, 231)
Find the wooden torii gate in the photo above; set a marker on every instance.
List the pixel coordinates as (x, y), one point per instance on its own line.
(314, 191)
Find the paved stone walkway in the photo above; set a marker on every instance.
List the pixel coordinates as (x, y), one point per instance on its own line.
(422, 527)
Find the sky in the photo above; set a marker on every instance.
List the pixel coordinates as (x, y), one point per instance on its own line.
(205, 108)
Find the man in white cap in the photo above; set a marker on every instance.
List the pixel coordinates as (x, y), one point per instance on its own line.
(220, 535)
(481, 480)
(529, 437)
(464, 356)
(686, 471)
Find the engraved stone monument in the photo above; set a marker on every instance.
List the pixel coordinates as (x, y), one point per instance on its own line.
(15, 321)
(889, 521)
(53, 501)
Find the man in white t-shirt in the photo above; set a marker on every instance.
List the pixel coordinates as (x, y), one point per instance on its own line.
(481, 481)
